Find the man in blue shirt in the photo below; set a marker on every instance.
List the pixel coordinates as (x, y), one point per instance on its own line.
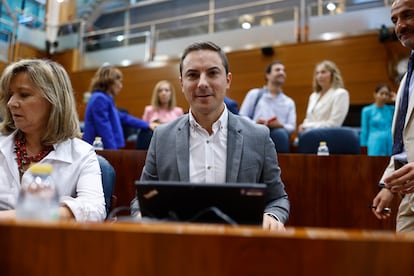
(271, 107)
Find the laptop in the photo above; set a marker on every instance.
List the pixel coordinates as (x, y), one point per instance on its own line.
(226, 203)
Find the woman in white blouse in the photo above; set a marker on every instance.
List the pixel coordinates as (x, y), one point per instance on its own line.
(40, 124)
(329, 103)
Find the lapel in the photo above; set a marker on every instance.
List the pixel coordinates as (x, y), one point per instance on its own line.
(182, 149)
(410, 102)
(234, 148)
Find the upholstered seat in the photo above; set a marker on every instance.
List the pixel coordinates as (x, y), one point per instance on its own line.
(108, 181)
(340, 140)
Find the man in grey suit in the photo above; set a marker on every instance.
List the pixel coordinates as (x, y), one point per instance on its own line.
(398, 177)
(210, 144)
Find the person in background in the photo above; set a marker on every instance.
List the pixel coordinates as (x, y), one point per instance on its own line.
(269, 106)
(231, 105)
(162, 110)
(163, 107)
(41, 125)
(376, 121)
(211, 144)
(329, 103)
(102, 118)
(398, 177)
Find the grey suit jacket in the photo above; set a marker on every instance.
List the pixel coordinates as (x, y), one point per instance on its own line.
(251, 157)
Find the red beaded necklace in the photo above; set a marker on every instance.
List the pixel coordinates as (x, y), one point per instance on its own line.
(21, 154)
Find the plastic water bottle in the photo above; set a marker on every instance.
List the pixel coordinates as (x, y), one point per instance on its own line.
(38, 198)
(98, 144)
(323, 149)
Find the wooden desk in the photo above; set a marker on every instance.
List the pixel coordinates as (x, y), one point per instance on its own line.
(191, 249)
(333, 191)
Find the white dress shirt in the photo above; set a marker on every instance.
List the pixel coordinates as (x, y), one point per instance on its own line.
(76, 174)
(208, 153)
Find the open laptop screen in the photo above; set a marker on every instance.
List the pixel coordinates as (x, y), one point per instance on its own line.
(233, 203)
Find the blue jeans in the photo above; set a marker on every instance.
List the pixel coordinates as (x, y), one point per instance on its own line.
(281, 138)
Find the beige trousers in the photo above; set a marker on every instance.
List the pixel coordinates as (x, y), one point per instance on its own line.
(405, 216)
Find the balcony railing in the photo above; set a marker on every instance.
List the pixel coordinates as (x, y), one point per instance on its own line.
(266, 23)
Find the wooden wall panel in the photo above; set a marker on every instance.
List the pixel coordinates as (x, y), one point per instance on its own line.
(2, 66)
(26, 51)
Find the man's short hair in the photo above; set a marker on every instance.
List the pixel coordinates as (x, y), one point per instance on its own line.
(207, 45)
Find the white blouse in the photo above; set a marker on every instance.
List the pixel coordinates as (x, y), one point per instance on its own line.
(76, 174)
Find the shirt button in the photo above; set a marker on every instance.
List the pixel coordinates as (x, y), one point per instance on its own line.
(208, 141)
(208, 167)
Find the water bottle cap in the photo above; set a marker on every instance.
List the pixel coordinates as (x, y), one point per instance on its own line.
(98, 138)
(37, 168)
(322, 143)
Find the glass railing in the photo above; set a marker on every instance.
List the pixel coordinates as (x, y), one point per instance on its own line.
(238, 26)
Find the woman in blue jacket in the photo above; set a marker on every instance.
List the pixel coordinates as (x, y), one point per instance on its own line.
(102, 118)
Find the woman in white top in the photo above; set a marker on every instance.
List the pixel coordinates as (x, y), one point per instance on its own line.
(40, 124)
(329, 103)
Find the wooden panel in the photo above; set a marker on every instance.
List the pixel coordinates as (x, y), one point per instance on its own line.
(128, 165)
(332, 191)
(197, 249)
(25, 51)
(68, 59)
(2, 66)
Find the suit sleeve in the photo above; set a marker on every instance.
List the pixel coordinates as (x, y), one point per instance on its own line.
(277, 202)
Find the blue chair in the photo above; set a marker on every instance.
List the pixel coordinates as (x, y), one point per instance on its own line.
(108, 181)
(143, 139)
(340, 140)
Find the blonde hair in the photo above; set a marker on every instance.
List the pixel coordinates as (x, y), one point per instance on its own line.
(155, 100)
(337, 81)
(53, 82)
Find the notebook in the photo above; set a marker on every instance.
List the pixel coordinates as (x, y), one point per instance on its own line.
(228, 203)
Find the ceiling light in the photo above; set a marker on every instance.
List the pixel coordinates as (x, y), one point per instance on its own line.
(331, 6)
(126, 62)
(246, 25)
(246, 21)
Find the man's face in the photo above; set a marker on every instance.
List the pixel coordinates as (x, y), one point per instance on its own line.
(402, 15)
(204, 83)
(277, 74)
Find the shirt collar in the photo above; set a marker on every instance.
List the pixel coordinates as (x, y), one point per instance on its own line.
(221, 123)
